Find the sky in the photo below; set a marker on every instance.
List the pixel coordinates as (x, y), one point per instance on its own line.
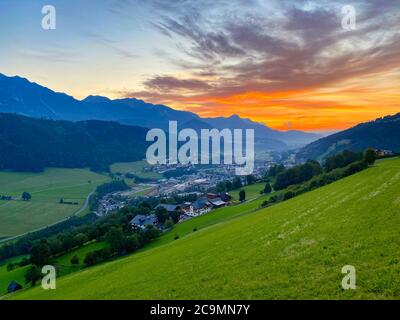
(287, 64)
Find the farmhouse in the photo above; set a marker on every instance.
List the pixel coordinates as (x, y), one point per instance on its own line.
(199, 207)
(141, 221)
(169, 207)
(384, 153)
(217, 203)
(222, 196)
(225, 197)
(13, 286)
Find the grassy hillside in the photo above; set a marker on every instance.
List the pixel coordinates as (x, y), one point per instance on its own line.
(46, 188)
(294, 250)
(136, 168)
(252, 191)
(214, 217)
(18, 274)
(64, 265)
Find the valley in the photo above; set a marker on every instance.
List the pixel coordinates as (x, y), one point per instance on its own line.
(271, 253)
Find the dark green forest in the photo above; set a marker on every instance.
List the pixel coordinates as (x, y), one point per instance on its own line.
(28, 144)
(383, 133)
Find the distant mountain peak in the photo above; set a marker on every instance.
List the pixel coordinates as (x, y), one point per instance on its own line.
(234, 116)
(94, 99)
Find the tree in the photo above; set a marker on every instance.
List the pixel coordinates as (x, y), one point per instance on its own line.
(115, 237)
(55, 245)
(91, 258)
(132, 243)
(341, 160)
(40, 254)
(288, 195)
(169, 224)
(67, 241)
(242, 195)
(370, 156)
(297, 174)
(80, 239)
(267, 188)
(228, 185)
(26, 196)
(145, 204)
(237, 183)
(221, 186)
(175, 216)
(275, 169)
(162, 214)
(33, 275)
(75, 259)
(151, 233)
(250, 179)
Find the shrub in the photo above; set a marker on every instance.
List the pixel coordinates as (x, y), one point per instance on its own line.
(267, 188)
(75, 260)
(168, 224)
(10, 266)
(369, 156)
(132, 243)
(242, 195)
(91, 258)
(288, 195)
(297, 175)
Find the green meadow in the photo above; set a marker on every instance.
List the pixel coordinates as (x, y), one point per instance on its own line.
(252, 191)
(136, 168)
(17, 274)
(292, 250)
(47, 188)
(63, 263)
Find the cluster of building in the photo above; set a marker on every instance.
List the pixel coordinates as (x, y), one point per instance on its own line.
(384, 153)
(110, 203)
(187, 210)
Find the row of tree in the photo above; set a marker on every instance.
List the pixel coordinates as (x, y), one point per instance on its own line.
(336, 171)
(305, 172)
(114, 229)
(23, 245)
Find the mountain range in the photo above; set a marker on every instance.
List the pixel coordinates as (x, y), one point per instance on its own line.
(20, 96)
(383, 133)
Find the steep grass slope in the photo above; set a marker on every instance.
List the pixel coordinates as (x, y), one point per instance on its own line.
(293, 250)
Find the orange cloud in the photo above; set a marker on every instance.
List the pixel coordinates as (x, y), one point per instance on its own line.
(317, 109)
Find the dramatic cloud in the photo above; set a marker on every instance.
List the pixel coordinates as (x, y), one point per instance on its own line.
(171, 83)
(288, 46)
